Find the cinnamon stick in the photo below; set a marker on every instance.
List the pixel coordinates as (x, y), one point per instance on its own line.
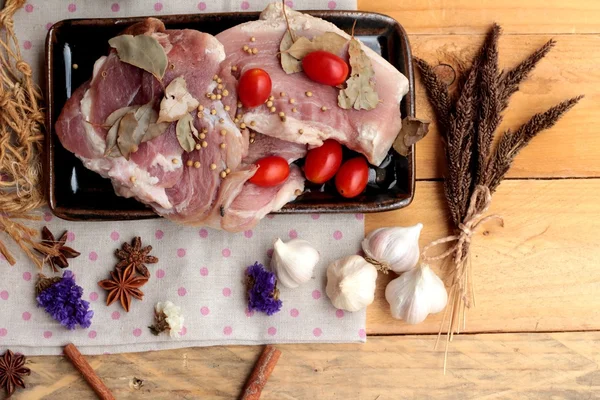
(87, 372)
(262, 370)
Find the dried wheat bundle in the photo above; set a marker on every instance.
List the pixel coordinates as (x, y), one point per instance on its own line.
(21, 138)
(467, 123)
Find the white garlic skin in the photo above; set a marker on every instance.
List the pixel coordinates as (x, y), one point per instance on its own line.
(293, 262)
(416, 294)
(397, 247)
(351, 283)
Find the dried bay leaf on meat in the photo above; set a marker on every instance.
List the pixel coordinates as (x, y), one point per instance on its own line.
(289, 64)
(128, 138)
(140, 126)
(113, 121)
(147, 123)
(118, 114)
(145, 115)
(292, 52)
(177, 101)
(111, 139)
(413, 130)
(155, 130)
(186, 131)
(133, 128)
(360, 92)
(328, 41)
(142, 51)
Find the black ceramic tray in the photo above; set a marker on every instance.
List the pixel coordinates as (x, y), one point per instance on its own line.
(78, 193)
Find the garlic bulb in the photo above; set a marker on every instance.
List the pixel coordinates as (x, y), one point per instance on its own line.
(293, 262)
(351, 283)
(393, 248)
(416, 294)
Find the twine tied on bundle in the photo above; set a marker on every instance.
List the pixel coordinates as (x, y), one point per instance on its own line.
(478, 206)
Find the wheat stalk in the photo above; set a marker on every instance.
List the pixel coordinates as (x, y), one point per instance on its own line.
(467, 124)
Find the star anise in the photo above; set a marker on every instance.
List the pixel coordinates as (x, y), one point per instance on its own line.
(136, 255)
(55, 252)
(12, 371)
(123, 285)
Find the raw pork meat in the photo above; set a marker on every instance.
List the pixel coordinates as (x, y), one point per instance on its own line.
(209, 185)
(158, 173)
(264, 146)
(368, 132)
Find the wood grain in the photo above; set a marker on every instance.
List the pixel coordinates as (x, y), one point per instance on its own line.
(486, 366)
(570, 149)
(538, 273)
(474, 16)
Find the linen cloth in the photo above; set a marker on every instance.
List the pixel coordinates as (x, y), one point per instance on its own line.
(200, 270)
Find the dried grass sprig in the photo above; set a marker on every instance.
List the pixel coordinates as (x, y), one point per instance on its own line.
(511, 143)
(490, 112)
(437, 92)
(467, 123)
(458, 149)
(510, 80)
(21, 138)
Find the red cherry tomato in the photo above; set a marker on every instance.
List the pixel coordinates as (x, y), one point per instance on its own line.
(272, 171)
(352, 177)
(325, 67)
(254, 87)
(323, 162)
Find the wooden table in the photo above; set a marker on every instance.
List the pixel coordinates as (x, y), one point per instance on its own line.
(535, 330)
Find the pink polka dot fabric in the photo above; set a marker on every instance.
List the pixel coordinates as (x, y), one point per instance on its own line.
(200, 269)
(203, 273)
(37, 16)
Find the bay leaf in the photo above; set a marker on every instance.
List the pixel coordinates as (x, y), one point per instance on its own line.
(292, 52)
(360, 92)
(328, 41)
(111, 138)
(113, 121)
(177, 101)
(118, 114)
(142, 51)
(146, 116)
(155, 130)
(184, 133)
(413, 130)
(289, 64)
(128, 138)
(130, 126)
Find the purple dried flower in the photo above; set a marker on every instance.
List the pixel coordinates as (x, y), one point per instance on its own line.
(263, 294)
(61, 298)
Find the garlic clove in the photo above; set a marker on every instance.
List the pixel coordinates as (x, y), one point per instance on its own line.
(416, 294)
(351, 283)
(394, 248)
(293, 262)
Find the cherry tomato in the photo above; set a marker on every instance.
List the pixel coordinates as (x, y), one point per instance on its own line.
(325, 67)
(254, 87)
(323, 162)
(351, 179)
(272, 171)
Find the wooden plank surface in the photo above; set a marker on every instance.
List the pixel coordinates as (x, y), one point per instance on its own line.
(487, 366)
(474, 16)
(569, 149)
(538, 273)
